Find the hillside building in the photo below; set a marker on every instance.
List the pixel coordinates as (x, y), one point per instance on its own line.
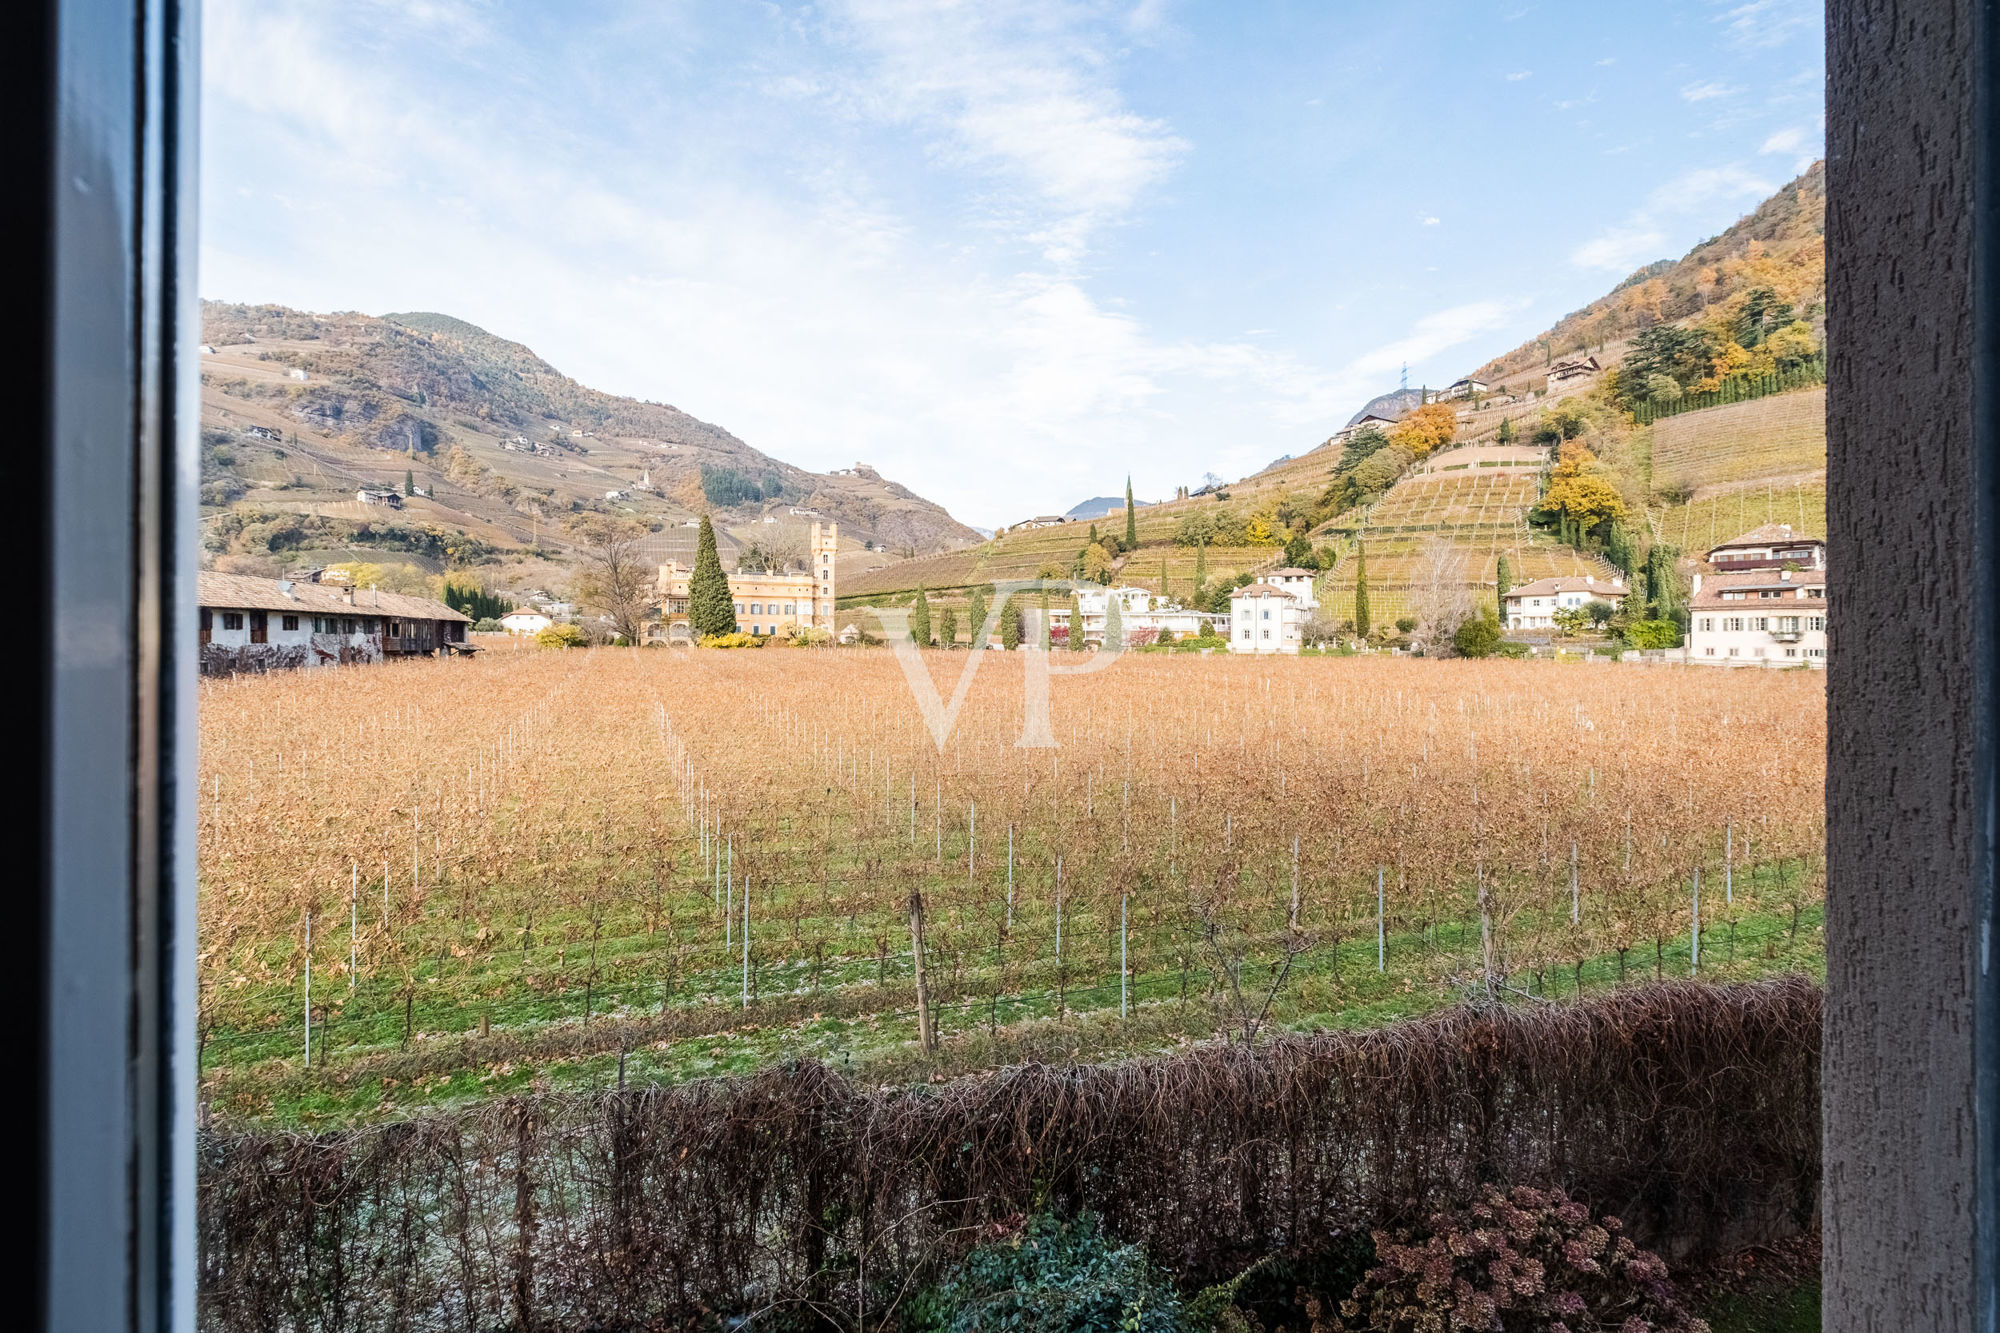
(1264, 618)
(1039, 521)
(1468, 387)
(390, 499)
(526, 620)
(1772, 546)
(1565, 373)
(252, 624)
(1300, 583)
(1767, 618)
(1533, 605)
(765, 603)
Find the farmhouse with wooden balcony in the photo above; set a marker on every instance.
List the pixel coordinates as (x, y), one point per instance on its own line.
(253, 624)
(1772, 546)
(1569, 372)
(1534, 605)
(1770, 618)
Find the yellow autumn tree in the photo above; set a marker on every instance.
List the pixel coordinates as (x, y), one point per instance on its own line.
(1425, 430)
(1579, 492)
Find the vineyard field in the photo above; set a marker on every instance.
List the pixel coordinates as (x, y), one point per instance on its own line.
(1708, 520)
(559, 868)
(1780, 436)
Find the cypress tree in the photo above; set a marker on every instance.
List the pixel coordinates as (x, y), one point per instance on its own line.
(1114, 623)
(1131, 516)
(1163, 577)
(711, 609)
(1075, 625)
(409, 482)
(1662, 584)
(1363, 621)
(1503, 579)
(1010, 624)
(1043, 635)
(978, 617)
(920, 620)
(948, 627)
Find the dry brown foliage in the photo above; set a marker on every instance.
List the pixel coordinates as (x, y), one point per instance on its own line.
(1690, 1111)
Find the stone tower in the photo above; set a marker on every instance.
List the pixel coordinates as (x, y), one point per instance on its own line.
(825, 545)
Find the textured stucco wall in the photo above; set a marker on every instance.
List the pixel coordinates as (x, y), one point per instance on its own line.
(1898, 1106)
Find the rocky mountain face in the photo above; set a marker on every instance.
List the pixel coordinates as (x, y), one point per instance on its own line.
(502, 421)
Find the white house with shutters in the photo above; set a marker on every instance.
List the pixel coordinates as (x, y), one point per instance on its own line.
(1264, 618)
(1298, 582)
(1767, 618)
(1534, 605)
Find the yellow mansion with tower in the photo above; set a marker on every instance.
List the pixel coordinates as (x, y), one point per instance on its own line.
(765, 603)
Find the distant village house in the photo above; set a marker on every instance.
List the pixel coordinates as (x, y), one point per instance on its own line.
(525, 620)
(1533, 605)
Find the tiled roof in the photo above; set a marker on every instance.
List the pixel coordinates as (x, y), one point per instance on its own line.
(1289, 572)
(241, 592)
(1262, 590)
(1566, 583)
(1765, 536)
(1714, 585)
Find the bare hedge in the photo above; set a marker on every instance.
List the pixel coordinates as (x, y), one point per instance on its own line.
(1691, 1111)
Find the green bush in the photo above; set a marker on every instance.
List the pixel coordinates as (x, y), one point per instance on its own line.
(1053, 1277)
(561, 636)
(488, 626)
(1477, 637)
(735, 639)
(1653, 634)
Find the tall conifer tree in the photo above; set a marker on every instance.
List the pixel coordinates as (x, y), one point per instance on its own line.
(1131, 516)
(1114, 623)
(1075, 625)
(920, 620)
(978, 617)
(711, 609)
(1363, 621)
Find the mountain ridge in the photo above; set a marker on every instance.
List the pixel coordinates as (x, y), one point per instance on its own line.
(308, 407)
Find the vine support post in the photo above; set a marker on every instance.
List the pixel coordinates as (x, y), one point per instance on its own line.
(1123, 965)
(925, 1038)
(1694, 931)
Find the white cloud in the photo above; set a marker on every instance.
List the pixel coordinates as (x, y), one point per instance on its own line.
(1426, 220)
(1019, 93)
(1621, 249)
(1784, 141)
(1608, 60)
(1518, 75)
(1767, 23)
(1702, 92)
(1668, 211)
(796, 301)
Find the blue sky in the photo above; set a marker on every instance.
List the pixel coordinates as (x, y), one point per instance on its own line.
(1008, 250)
